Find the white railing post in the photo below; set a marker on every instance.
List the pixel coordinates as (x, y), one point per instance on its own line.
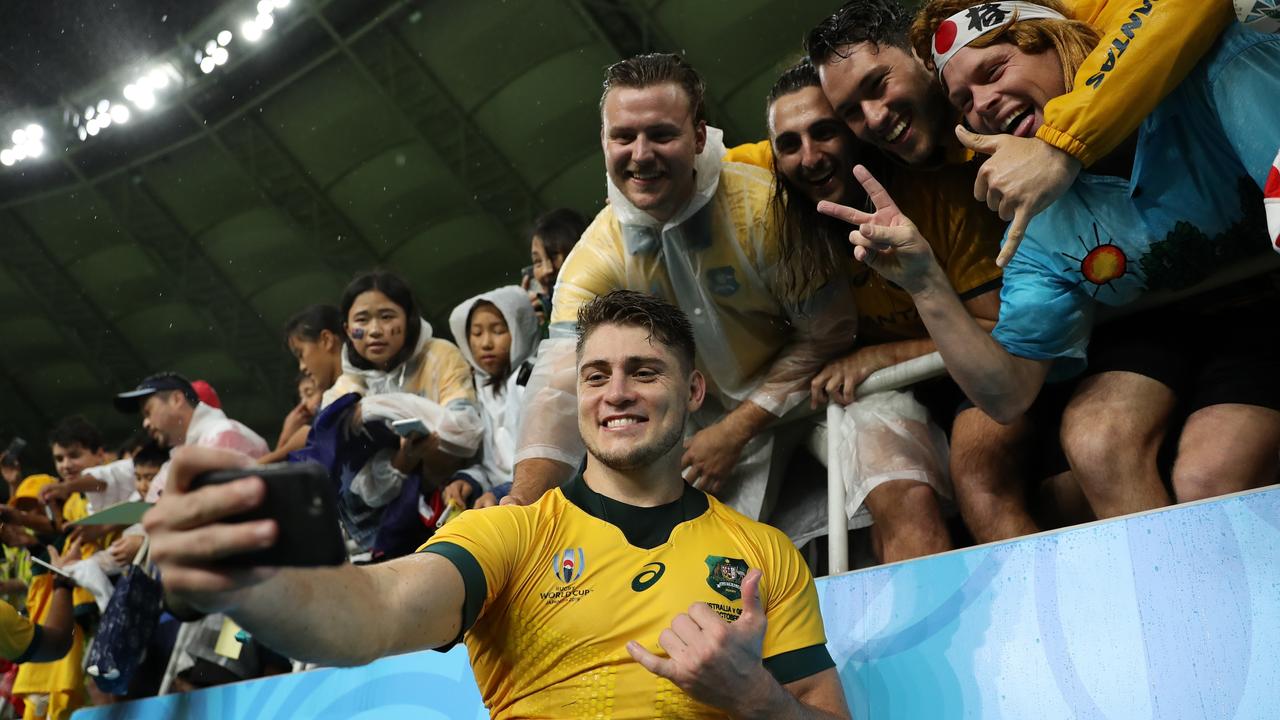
(837, 521)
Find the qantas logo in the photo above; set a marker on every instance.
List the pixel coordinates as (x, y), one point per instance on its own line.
(1121, 43)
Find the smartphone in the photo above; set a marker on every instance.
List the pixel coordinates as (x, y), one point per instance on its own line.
(410, 427)
(16, 446)
(302, 500)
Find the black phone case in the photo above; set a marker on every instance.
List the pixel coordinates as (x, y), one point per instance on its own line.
(301, 499)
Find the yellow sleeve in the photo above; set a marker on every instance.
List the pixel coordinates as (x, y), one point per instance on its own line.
(452, 373)
(794, 639)
(593, 268)
(487, 547)
(759, 154)
(1140, 58)
(17, 634)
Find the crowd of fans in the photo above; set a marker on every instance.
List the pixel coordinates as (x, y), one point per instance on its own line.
(848, 241)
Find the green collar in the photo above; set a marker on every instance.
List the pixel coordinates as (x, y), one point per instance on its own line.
(644, 527)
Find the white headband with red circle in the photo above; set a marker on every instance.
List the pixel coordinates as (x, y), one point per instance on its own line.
(957, 31)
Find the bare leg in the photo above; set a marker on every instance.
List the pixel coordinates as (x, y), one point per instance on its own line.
(908, 519)
(988, 468)
(1227, 448)
(1060, 502)
(1111, 433)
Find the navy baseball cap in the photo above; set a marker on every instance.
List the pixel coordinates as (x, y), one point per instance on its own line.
(131, 401)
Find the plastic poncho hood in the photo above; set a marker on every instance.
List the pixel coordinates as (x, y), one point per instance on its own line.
(513, 303)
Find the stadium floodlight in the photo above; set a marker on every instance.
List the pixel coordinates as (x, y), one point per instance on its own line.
(20, 153)
(281, 4)
(209, 47)
(220, 56)
(88, 113)
(103, 106)
(92, 127)
(7, 158)
(159, 76)
(130, 92)
(207, 65)
(199, 56)
(264, 21)
(35, 149)
(104, 120)
(224, 37)
(19, 136)
(250, 31)
(264, 6)
(146, 100)
(75, 120)
(119, 114)
(82, 133)
(35, 132)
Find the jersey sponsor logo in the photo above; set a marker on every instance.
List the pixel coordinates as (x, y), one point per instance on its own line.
(725, 575)
(648, 576)
(1120, 44)
(568, 565)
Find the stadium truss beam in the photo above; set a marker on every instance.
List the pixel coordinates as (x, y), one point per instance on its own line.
(631, 30)
(404, 80)
(82, 324)
(189, 273)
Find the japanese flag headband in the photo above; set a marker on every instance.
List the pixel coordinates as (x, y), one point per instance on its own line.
(958, 31)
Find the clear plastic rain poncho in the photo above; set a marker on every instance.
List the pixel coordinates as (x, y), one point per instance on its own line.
(717, 261)
(434, 385)
(499, 405)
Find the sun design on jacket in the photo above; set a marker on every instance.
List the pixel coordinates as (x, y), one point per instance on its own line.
(1102, 264)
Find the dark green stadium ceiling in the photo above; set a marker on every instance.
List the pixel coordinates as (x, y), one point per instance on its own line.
(417, 136)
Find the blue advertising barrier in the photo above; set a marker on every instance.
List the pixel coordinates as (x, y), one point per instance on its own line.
(1169, 614)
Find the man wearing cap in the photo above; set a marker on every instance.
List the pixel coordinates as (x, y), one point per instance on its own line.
(174, 415)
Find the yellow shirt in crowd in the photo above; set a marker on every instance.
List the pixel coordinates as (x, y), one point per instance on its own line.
(17, 634)
(554, 591)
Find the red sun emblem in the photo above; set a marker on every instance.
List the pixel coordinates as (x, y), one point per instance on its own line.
(945, 37)
(1102, 264)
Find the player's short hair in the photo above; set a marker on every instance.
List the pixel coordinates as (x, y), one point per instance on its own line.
(642, 71)
(76, 430)
(664, 322)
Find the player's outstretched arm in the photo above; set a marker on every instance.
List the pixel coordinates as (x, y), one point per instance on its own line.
(721, 664)
(314, 614)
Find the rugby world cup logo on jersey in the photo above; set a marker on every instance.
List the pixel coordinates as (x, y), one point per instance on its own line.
(568, 565)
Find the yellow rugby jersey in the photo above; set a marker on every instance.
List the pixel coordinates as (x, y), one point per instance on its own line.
(18, 635)
(554, 591)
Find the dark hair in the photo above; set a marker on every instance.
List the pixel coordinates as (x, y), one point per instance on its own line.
(879, 22)
(642, 71)
(309, 322)
(151, 454)
(559, 230)
(812, 247)
(394, 287)
(664, 322)
(76, 430)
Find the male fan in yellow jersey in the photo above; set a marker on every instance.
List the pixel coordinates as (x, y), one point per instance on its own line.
(624, 593)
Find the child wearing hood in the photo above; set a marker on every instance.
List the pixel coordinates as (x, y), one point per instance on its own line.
(498, 333)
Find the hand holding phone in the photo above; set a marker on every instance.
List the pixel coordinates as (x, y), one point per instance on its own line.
(302, 501)
(410, 427)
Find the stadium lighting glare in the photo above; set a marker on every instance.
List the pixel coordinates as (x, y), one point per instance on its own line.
(103, 106)
(82, 133)
(281, 4)
(250, 31)
(20, 153)
(35, 132)
(19, 136)
(88, 113)
(210, 46)
(159, 76)
(131, 92)
(35, 149)
(146, 100)
(207, 65)
(224, 37)
(119, 114)
(104, 120)
(75, 120)
(264, 21)
(199, 56)
(264, 6)
(220, 56)
(6, 157)
(92, 128)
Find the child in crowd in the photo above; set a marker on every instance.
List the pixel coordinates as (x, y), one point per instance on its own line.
(399, 372)
(554, 235)
(502, 336)
(314, 337)
(297, 424)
